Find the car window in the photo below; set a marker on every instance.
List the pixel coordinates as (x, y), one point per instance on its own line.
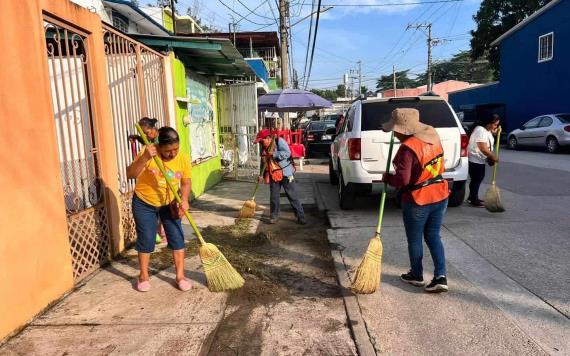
(349, 121)
(532, 124)
(321, 125)
(434, 113)
(565, 118)
(545, 122)
(345, 121)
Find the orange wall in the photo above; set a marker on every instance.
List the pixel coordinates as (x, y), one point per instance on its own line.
(35, 262)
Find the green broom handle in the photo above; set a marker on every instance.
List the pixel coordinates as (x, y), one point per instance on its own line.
(262, 169)
(497, 145)
(383, 198)
(171, 186)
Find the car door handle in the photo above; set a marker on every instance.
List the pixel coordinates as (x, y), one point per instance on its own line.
(366, 159)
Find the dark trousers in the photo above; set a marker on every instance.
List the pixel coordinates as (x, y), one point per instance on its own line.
(291, 191)
(477, 174)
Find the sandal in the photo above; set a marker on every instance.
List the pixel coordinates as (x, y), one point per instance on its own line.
(143, 286)
(184, 285)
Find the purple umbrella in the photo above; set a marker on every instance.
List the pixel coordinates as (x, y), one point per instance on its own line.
(288, 100)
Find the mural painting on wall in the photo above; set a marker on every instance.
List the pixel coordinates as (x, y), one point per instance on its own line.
(201, 113)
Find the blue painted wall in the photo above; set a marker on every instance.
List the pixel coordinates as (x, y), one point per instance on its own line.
(528, 88)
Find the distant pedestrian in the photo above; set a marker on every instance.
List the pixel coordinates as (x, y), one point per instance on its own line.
(149, 128)
(480, 153)
(419, 167)
(152, 199)
(279, 172)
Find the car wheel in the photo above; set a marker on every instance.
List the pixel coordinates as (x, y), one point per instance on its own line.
(332, 174)
(552, 144)
(457, 195)
(345, 193)
(513, 144)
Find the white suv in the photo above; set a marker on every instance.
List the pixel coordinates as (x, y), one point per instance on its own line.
(360, 148)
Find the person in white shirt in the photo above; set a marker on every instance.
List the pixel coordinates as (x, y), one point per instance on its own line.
(480, 152)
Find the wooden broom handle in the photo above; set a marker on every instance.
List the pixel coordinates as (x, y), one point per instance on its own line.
(173, 189)
(497, 145)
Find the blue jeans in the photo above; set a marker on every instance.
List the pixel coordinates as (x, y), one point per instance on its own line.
(146, 221)
(425, 222)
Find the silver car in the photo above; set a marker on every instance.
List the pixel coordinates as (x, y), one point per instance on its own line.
(551, 131)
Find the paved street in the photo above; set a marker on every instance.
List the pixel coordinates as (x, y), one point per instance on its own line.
(509, 273)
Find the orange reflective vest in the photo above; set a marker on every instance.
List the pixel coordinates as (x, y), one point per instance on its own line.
(430, 187)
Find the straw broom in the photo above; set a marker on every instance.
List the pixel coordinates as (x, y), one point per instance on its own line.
(493, 201)
(248, 209)
(219, 272)
(367, 276)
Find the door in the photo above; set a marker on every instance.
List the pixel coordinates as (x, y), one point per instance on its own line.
(238, 122)
(542, 130)
(528, 131)
(87, 220)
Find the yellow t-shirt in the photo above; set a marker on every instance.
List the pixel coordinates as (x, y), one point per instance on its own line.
(151, 186)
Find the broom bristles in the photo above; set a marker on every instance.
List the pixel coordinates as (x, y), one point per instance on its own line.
(247, 210)
(367, 276)
(219, 272)
(493, 201)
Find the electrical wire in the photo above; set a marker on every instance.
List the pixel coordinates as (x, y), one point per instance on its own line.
(308, 43)
(314, 42)
(242, 17)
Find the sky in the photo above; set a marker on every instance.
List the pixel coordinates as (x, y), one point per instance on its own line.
(375, 35)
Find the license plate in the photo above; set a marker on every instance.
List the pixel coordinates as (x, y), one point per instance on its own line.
(326, 137)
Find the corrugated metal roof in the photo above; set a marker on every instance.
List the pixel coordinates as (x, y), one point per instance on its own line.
(207, 56)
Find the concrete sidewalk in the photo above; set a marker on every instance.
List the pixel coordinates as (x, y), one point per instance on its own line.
(106, 315)
(485, 312)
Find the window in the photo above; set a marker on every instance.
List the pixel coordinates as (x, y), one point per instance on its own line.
(545, 122)
(546, 47)
(564, 118)
(432, 112)
(120, 21)
(201, 128)
(532, 124)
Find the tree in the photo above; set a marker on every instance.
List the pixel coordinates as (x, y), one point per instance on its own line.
(459, 67)
(327, 94)
(340, 90)
(386, 82)
(494, 18)
(363, 89)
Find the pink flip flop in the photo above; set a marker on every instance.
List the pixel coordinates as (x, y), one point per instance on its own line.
(184, 285)
(143, 286)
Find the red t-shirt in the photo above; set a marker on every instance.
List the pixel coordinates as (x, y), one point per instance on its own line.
(408, 170)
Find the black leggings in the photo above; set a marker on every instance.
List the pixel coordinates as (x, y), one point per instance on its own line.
(477, 174)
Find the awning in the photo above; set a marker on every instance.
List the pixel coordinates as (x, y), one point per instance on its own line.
(206, 56)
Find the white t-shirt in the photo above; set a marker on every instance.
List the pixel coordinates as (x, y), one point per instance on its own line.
(480, 134)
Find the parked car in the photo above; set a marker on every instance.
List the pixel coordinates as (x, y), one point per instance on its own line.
(360, 149)
(550, 131)
(318, 137)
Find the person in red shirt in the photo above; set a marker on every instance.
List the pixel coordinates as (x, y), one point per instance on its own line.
(419, 166)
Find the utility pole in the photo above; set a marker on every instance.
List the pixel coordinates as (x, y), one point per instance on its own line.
(283, 15)
(430, 42)
(394, 79)
(173, 16)
(359, 77)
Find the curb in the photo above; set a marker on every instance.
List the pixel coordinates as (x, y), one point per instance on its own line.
(364, 345)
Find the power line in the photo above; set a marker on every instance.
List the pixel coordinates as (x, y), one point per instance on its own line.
(314, 43)
(242, 17)
(391, 4)
(308, 43)
(253, 11)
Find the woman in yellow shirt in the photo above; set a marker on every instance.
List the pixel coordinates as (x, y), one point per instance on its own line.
(152, 198)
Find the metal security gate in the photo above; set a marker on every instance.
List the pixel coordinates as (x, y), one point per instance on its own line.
(88, 228)
(137, 87)
(238, 128)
